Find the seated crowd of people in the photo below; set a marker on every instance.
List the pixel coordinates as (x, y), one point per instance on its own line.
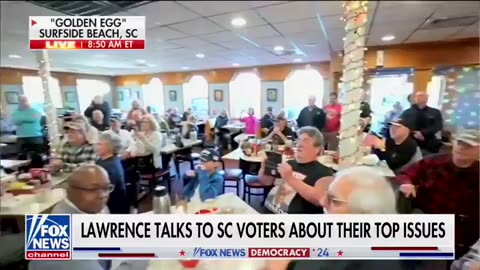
(435, 183)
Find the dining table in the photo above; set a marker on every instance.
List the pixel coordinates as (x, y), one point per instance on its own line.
(227, 200)
(326, 160)
(171, 148)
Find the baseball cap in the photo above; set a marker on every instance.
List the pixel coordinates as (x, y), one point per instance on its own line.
(114, 118)
(401, 122)
(469, 136)
(210, 155)
(76, 124)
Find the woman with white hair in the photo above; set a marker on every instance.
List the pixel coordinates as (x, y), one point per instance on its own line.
(108, 148)
(147, 141)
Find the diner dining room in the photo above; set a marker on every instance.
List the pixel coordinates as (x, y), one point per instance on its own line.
(245, 107)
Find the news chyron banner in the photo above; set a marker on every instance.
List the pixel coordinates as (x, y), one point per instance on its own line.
(87, 32)
(197, 237)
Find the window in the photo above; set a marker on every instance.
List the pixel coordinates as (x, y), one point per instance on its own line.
(435, 89)
(195, 96)
(33, 89)
(88, 89)
(153, 95)
(245, 93)
(298, 87)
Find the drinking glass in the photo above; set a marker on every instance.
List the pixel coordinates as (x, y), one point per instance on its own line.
(181, 201)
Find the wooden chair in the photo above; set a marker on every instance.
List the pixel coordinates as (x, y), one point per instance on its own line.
(152, 175)
(233, 176)
(186, 155)
(250, 170)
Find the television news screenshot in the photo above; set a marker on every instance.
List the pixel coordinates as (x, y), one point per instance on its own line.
(240, 135)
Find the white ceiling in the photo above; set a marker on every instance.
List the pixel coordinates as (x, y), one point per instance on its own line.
(177, 30)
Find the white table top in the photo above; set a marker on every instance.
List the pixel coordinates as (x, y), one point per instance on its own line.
(234, 126)
(31, 204)
(226, 200)
(236, 154)
(171, 148)
(12, 164)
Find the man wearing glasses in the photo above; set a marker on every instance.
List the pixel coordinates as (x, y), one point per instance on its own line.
(87, 193)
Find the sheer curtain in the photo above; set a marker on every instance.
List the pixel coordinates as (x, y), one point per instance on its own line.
(153, 95)
(33, 89)
(298, 87)
(195, 95)
(87, 89)
(244, 93)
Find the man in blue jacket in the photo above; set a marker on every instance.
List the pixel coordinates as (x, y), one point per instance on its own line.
(205, 182)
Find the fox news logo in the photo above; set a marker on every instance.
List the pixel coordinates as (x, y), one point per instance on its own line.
(219, 252)
(47, 237)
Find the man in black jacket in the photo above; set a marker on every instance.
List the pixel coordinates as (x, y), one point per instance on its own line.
(99, 104)
(426, 124)
(312, 116)
(267, 121)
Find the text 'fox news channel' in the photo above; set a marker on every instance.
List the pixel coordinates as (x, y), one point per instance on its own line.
(163, 237)
(87, 32)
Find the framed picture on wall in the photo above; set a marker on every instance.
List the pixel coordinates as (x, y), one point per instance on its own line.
(218, 95)
(69, 97)
(11, 97)
(271, 94)
(128, 93)
(172, 95)
(120, 96)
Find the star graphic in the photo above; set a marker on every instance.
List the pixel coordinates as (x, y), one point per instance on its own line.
(340, 253)
(182, 253)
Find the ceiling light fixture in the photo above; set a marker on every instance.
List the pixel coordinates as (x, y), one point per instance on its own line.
(200, 55)
(278, 48)
(185, 68)
(14, 56)
(297, 60)
(388, 38)
(151, 65)
(140, 61)
(238, 22)
(235, 64)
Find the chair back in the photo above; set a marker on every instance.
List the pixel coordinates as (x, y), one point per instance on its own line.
(249, 167)
(145, 164)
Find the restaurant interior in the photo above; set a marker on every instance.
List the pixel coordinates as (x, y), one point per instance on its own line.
(211, 73)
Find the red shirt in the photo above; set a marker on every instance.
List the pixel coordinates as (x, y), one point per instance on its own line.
(334, 113)
(443, 188)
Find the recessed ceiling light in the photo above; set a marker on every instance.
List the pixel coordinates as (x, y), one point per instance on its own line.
(235, 64)
(388, 38)
(185, 68)
(278, 48)
(200, 55)
(297, 60)
(140, 61)
(151, 65)
(239, 21)
(16, 56)
(144, 70)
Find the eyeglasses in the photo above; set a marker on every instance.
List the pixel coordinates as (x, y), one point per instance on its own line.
(107, 189)
(331, 199)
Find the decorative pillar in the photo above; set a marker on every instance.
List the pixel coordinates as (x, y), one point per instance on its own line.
(351, 92)
(50, 110)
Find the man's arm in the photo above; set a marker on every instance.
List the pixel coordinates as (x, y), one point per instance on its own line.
(312, 194)
(413, 174)
(210, 186)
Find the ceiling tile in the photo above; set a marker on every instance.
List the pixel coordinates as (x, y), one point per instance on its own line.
(197, 27)
(453, 9)
(163, 12)
(209, 8)
(250, 16)
(328, 8)
(469, 31)
(164, 33)
(288, 12)
(331, 22)
(241, 44)
(298, 26)
(190, 42)
(432, 34)
(306, 38)
(220, 37)
(256, 32)
(400, 31)
(402, 13)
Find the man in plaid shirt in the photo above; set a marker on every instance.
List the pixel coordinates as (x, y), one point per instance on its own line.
(448, 184)
(76, 150)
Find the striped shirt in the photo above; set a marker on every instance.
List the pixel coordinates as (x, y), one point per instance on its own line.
(74, 156)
